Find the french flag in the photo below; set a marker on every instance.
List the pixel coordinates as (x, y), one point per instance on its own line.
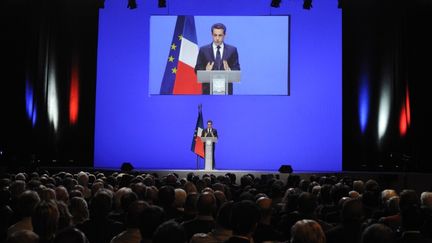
(179, 76)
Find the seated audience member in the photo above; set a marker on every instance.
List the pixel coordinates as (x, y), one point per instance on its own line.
(222, 230)
(169, 232)
(23, 236)
(166, 197)
(412, 218)
(180, 199)
(307, 231)
(79, 210)
(244, 220)
(70, 235)
(25, 205)
(99, 228)
(394, 219)
(45, 218)
(378, 233)
(426, 208)
(149, 219)
(349, 230)
(265, 231)
(6, 213)
(132, 233)
(204, 221)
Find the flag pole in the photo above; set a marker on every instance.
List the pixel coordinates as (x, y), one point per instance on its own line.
(197, 157)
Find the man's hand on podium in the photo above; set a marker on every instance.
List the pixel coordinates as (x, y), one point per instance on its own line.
(226, 67)
(209, 66)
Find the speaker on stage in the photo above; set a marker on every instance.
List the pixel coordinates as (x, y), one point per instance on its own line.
(285, 169)
(126, 167)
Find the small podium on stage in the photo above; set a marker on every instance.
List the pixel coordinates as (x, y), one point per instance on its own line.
(218, 80)
(208, 143)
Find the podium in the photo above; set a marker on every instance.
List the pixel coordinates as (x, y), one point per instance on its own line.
(218, 80)
(208, 143)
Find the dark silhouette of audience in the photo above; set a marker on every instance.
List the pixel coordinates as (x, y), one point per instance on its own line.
(102, 207)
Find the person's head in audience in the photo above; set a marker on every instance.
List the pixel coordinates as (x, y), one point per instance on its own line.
(220, 198)
(149, 219)
(76, 193)
(180, 198)
(244, 218)
(265, 205)
(127, 199)
(133, 213)
(316, 190)
(358, 186)
(65, 217)
(118, 195)
(16, 188)
(411, 216)
(169, 232)
(291, 200)
(371, 185)
(27, 202)
(392, 205)
(245, 181)
(353, 194)
(79, 210)
(96, 187)
(232, 178)
(306, 203)
(70, 235)
(206, 203)
(190, 187)
(307, 231)
(23, 236)
(62, 194)
(324, 195)
(352, 212)
(47, 194)
(166, 196)
(426, 200)
(100, 205)
(140, 190)
(45, 219)
(223, 216)
(387, 194)
(378, 233)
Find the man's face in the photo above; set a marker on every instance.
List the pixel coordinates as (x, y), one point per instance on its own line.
(218, 36)
(209, 124)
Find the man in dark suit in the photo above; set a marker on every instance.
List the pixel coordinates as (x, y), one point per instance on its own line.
(210, 132)
(217, 56)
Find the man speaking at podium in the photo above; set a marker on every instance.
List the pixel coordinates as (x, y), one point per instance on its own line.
(217, 56)
(210, 132)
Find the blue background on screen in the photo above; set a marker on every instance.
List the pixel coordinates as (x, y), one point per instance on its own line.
(256, 132)
(261, 41)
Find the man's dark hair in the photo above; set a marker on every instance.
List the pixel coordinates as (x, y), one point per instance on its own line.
(170, 231)
(218, 26)
(210, 121)
(377, 233)
(149, 219)
(245, 216)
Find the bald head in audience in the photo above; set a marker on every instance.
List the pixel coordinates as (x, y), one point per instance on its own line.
(307, 231)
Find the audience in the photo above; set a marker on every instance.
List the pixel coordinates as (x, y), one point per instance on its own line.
(133, 207)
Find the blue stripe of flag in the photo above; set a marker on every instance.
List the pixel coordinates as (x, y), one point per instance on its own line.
(168, 80)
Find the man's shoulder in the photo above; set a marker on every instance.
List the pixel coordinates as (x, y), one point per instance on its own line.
(228, 46)
(208, 46)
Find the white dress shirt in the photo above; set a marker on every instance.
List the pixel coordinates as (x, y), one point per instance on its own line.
(221, 50)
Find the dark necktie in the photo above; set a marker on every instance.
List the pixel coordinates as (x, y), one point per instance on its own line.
(218, 58)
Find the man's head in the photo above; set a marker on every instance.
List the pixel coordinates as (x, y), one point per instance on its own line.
(209, 123)
(218, 33)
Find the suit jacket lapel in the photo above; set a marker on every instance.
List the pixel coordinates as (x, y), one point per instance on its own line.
(210, 50)
(225, 52)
